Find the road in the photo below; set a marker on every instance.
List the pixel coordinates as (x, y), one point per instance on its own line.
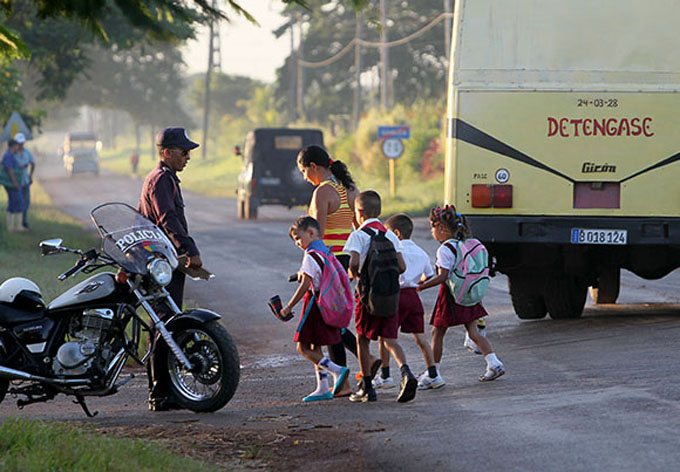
(598, 393)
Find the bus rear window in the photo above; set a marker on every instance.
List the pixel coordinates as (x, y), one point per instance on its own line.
(288, 142)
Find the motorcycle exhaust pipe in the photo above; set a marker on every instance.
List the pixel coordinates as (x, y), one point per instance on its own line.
(13, 374)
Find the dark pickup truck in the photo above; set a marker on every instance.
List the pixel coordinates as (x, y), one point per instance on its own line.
(270, 175)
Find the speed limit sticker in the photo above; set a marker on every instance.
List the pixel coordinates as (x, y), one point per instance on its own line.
(502, 176)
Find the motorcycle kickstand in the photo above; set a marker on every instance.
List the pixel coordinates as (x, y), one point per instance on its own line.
(80, 400)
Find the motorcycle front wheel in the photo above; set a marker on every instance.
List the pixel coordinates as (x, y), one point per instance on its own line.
(215, 372)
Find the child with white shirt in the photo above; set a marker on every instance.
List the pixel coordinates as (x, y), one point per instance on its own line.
(411, 313)
(312, 332)
(372, 326)
(447, 225)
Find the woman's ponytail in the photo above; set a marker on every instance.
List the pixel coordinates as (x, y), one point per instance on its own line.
(339, 170)
(320, 157)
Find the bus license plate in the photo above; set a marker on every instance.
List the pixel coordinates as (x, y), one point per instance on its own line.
(599, 236)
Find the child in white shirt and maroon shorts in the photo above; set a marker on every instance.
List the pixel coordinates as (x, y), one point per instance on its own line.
(411, 313)
(367, 207)
(312, 332)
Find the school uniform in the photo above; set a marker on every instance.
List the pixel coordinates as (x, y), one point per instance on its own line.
(368, 325)
(446, 311)
(311, 327)
(411, 313)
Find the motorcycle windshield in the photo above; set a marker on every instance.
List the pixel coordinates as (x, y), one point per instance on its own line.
(130, 239)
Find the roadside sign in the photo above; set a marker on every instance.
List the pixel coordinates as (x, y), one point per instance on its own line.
(15, 125)
(392, 148)
(399, 132)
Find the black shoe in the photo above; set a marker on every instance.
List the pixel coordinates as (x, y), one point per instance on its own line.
(363, 396)
(374, 371)
(163, 404)
(409, 385)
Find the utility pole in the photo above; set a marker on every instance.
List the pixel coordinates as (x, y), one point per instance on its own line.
(214, 62)
(300, 78)
(356, 105)
(384, 58)
(447, 29)
(292, 86)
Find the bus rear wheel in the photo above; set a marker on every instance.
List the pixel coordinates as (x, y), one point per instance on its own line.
(607, 286)
(527, 297)
(565, 297)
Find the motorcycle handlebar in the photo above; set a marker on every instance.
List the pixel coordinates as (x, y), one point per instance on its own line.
(79, 265)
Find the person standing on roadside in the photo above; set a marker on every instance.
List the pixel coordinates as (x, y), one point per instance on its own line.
(26, 162)
(10, 178)
(162, 203)
(332, 205)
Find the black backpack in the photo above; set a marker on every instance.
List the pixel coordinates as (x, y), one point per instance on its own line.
(379, 278)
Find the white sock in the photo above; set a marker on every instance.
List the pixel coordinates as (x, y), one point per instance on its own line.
(321, 383)
(330, 366)
(492, 360)
(437, 366)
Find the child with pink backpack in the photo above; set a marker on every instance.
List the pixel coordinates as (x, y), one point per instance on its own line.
(462, 276)
(327, 306)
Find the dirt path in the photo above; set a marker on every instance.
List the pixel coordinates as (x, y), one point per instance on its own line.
(589, 394)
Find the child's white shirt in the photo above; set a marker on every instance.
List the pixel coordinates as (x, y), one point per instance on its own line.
(417, 264)
(446, 259)
(359, 241)
(312, 269)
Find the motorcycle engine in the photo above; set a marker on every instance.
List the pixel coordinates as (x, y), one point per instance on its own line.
(77, 357)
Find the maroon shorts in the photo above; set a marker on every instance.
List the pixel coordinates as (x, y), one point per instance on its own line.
(448, 313)
(371, 326)
(312, 329)
(411, 311)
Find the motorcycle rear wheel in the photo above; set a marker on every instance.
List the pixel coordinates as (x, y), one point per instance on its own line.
(213, 380)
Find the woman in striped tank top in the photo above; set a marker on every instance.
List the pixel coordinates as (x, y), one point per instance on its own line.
(332, 205)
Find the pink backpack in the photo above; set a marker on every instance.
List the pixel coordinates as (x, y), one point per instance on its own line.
(469, 277)
(335, 298)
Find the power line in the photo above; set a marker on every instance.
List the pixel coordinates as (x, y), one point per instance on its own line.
(374, 44)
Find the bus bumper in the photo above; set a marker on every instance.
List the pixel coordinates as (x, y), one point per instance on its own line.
(558, 230)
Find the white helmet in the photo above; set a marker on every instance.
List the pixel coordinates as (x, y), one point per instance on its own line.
(10, 288)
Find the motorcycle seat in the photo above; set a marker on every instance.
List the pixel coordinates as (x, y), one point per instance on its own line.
(10, 315)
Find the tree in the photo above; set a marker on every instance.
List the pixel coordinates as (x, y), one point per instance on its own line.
(157, 18)
(418, 67)
(145, 81)
(227, 93)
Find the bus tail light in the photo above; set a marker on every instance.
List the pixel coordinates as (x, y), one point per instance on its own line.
(481, 196)
(502, 196)
(486, 196)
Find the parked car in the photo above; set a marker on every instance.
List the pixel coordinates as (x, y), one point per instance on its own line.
(270, 175)
(80, 153)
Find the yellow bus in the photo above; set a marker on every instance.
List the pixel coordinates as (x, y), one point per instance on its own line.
(562, 143)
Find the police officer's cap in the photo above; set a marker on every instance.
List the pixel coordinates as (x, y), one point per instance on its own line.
(175, 137)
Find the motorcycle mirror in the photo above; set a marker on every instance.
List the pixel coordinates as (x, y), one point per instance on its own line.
(51, 246)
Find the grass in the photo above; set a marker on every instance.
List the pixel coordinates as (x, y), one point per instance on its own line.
(37, 446)
(213, 176)
(20, 253)
(217, 177)
(31, 445)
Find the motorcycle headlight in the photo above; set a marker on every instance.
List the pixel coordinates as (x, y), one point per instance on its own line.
(161, 271)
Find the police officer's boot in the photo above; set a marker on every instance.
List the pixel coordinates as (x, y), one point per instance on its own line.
(160, 398)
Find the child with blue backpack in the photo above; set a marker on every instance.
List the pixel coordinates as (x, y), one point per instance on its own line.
(451, 229)
(313, 331)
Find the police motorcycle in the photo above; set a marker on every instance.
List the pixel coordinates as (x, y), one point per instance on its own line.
(79, 343)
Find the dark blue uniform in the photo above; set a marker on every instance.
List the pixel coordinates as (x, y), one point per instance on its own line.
(162, 203)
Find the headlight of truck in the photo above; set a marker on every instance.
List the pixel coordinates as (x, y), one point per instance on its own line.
(161, 271)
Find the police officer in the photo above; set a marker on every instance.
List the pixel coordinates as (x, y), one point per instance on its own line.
(161, 202)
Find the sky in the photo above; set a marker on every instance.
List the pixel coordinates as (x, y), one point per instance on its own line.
(247, 49)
